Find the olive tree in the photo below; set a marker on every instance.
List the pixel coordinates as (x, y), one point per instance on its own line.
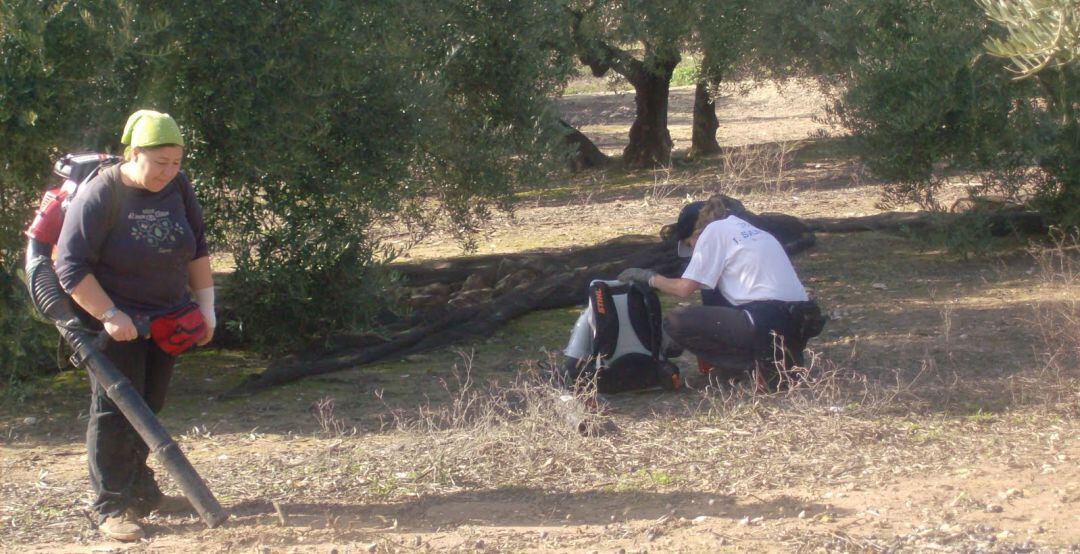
(911, 82)
(310, 128)
(1042, 41)
(724, 32)
(643, 42)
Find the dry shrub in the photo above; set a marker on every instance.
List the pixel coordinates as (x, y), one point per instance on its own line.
(720, 438)
(329, 423)
(496, 433)
(756, 168)
(663, 186)
(823, 387)
(1058, 324)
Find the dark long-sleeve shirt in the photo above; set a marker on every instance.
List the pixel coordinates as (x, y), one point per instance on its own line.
(136, 243)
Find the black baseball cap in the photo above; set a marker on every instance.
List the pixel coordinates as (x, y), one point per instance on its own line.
(684, 228)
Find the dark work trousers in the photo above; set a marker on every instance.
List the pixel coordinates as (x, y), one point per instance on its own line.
(116, 454)
(720, 335)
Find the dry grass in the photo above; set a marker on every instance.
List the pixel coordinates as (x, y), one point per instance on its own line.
(811, 449)
(757, 168)
(1058, 323)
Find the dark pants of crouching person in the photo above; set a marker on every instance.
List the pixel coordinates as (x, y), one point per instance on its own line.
(721, 336)
(119, 476)
(762, 337)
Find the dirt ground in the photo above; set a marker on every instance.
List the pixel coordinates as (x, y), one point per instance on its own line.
(941, 415)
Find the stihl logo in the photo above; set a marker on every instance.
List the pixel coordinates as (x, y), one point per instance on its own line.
(600, 309)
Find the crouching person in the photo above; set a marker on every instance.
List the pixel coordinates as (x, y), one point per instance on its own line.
(755, 316)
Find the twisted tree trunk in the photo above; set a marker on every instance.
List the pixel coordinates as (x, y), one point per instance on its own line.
(650, 142)
(703, 140)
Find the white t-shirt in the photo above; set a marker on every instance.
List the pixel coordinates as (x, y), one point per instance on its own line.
(747, 263)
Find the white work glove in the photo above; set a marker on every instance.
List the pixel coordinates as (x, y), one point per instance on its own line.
(205, 299)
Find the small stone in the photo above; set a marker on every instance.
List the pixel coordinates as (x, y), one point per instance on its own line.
(745, 521)
(543, 534)
(1011, 493)
(802, 514)
(700, 519)
(30, 420)
(370, 547)
(479, 545)
(712, 501)
(994, 508)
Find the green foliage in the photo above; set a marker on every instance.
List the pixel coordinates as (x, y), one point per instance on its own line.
(966, 237)
(1041, 33)
(1043, 41)
(27, 345)
(686, 73)
(50, 100)
(919, 96)
(309, 126)
(915, 99)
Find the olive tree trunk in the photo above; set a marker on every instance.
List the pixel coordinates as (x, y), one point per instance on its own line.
(703, 141)
(650, 142)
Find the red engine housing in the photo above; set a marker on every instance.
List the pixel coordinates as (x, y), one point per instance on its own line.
(49, 217)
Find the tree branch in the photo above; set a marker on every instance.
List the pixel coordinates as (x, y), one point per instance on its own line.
(601, 56)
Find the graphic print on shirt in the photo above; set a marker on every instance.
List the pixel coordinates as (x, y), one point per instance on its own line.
(156, 229)
(746, 231)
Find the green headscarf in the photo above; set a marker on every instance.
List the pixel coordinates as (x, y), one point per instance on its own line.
(146, 128)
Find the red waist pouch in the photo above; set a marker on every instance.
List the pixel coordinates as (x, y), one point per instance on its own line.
(177, 331)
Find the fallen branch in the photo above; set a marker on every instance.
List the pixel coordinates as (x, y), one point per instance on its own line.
(998, 223)
(563, 278)
(462, 324)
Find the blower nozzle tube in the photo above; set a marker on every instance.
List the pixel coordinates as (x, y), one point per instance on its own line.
(50, 300)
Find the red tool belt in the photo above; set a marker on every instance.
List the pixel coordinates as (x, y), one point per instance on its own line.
(177, 331)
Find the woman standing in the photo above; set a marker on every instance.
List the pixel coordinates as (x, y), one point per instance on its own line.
(133, 248)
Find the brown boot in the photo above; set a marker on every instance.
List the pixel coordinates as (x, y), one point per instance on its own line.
(124, 527)
(173, 505)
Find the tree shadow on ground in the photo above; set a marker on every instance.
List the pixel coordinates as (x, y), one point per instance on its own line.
(516, 507)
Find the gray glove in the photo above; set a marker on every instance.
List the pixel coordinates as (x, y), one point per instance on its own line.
(637, 275)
